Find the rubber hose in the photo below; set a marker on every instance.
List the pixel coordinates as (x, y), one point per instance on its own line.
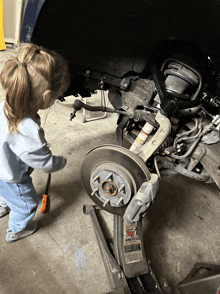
(119, 130)
(158, 82)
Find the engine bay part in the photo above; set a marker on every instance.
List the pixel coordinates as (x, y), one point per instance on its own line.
(181, 83)
(179, 79)
(139, 93)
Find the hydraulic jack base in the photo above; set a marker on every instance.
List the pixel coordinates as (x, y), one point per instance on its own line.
(127, 269)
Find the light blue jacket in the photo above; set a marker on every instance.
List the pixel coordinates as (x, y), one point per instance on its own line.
(21, 153)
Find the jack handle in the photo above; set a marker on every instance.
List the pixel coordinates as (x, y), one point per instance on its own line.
(45, 200)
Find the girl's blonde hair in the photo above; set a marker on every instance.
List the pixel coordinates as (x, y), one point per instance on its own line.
(26, 77)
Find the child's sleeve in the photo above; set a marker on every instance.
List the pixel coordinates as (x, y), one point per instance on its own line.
(41, 158)
(32, 148)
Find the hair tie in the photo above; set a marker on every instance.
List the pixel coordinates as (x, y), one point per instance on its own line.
(22, 63)
(39, 49)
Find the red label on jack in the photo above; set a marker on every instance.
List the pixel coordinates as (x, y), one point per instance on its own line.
(131, 234)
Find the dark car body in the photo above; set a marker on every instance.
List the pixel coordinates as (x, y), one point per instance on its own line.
(120, 36)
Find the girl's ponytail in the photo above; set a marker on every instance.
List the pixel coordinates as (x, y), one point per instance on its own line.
(15, 81)
(26, 78)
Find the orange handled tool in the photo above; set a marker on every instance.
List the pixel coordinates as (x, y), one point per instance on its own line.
(45, 201)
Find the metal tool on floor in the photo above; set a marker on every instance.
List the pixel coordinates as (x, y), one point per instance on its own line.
(45, 203)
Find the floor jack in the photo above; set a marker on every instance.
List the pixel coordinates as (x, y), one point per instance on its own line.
(128, 270)
(126, 265)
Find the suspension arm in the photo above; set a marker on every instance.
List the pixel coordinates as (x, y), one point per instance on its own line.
(154, 143)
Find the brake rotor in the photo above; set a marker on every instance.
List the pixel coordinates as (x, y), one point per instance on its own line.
(111, 176)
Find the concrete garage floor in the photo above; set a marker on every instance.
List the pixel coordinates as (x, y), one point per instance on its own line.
(180, 229)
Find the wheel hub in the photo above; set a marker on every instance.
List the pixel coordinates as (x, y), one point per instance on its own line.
(112, 184)
(109, 188)
(111, 176)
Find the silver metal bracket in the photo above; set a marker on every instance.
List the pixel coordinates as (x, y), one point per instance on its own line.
(142, 200)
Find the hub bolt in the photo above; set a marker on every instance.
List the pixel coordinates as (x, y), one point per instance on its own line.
(120, 201)
(106, 202)
(122, 188)
(94, 191)
(109, 176)
(96, 178)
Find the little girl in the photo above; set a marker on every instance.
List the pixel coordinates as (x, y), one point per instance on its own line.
(32, 81)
